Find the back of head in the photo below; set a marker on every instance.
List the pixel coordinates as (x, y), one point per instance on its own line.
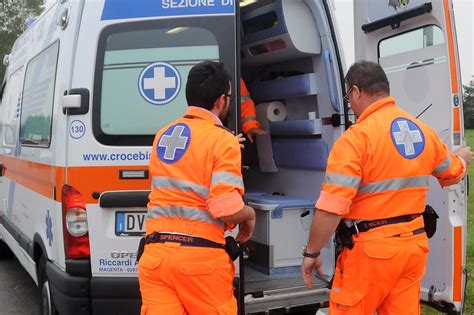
(369, 77)
(207, 81)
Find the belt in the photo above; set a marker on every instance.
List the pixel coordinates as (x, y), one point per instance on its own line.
(364, 226)
(184, 240)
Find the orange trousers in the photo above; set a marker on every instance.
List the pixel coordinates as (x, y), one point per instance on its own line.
(177, 279)
(380, 275)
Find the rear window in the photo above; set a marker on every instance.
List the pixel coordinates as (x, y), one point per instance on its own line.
(142, 72)
(427, 36)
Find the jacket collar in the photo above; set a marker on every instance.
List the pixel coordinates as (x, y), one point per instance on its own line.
(203, 114)
(386, 101)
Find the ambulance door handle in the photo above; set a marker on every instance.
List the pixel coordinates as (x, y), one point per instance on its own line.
(328, 66)
(85, 100)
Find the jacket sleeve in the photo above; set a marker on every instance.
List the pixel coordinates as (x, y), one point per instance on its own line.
(449, 168)
(343, 173)
(247, 109)
(226, 186)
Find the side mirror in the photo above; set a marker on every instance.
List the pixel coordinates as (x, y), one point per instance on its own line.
(76, 102)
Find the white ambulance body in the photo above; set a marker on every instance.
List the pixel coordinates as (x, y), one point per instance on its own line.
(90, 82)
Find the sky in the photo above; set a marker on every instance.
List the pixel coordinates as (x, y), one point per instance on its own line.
(463, 15)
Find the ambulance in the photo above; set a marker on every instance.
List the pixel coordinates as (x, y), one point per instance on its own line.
(89, 84)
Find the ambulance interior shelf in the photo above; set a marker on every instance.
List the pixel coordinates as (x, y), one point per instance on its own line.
(286, 87)
(278, 30)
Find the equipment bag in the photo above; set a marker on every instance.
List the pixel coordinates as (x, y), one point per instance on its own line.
(430, 217)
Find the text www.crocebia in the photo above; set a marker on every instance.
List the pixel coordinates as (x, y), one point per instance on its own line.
(138, 156)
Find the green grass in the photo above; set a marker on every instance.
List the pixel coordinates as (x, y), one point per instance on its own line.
(469, 304)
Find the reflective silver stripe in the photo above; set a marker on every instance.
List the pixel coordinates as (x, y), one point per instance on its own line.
(226, 178)
(342, 180)
(245, 97)
(248, 119)
(183, 212)
(181, 185)
(443, 166)
(395, 184)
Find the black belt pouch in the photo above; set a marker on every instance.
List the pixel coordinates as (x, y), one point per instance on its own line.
(430, 217)
(232, 248)
(141, 248)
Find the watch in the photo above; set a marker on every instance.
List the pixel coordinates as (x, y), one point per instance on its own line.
(309, 255)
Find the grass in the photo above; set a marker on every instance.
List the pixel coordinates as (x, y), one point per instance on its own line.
(469, 299)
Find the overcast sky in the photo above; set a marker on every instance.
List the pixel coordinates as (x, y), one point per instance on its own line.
(464, 13)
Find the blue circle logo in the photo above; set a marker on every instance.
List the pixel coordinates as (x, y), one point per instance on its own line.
(456, 100)
(407, 137)
(174, 143)
(77, 129)
(159, 83)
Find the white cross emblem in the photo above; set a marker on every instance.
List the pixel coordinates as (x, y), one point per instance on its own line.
(407, 137)
(159, 83)
(173, 142)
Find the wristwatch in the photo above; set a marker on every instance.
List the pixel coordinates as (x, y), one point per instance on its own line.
(309, 255)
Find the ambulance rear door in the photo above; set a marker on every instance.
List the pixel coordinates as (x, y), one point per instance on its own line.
(415, 42)
(133, 65)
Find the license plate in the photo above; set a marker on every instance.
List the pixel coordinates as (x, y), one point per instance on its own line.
(128, 223)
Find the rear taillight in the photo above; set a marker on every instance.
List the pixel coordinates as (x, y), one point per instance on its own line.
(75, 230)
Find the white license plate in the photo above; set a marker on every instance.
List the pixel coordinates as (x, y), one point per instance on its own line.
(128, 223)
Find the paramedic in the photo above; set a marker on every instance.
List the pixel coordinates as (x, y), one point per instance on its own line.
(378, 172)
(196, 195)
(250, 124)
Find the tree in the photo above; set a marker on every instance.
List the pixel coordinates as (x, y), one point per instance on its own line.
(14, 16)
(468, 106)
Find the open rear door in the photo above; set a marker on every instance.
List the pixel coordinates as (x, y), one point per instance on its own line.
(415, 42)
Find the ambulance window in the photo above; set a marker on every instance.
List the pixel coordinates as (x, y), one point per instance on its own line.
(416, 39)
(38, 98)
(142, 71)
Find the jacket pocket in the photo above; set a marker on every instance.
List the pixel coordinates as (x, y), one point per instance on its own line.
(347, 301)
(380, 251)
(196, 268)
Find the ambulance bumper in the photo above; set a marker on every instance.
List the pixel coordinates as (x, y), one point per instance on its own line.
(83, 294)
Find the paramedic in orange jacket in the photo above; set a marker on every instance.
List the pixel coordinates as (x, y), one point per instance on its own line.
(196, 195)
(250, 124)
(379, 169)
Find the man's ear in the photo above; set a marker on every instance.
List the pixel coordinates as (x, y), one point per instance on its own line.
(220, 102)
(357, 92)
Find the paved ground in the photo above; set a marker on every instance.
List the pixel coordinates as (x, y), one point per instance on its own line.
(18, 292)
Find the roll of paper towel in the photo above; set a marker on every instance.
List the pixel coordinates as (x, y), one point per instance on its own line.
(275, 111)
(266, 112)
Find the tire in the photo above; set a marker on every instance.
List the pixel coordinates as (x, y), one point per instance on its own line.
(47, 306)
(5, 251)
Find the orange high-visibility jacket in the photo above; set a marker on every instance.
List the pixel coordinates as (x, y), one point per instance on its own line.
(380, 167)
(196, 175)
(247, 109)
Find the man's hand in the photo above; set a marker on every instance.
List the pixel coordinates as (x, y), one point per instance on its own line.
(246, 230)
(307, 267)
(241, 139)
(465, 153)
(256, 132)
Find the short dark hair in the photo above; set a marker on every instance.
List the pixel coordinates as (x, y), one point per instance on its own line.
(207, 81)
(369, 77)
